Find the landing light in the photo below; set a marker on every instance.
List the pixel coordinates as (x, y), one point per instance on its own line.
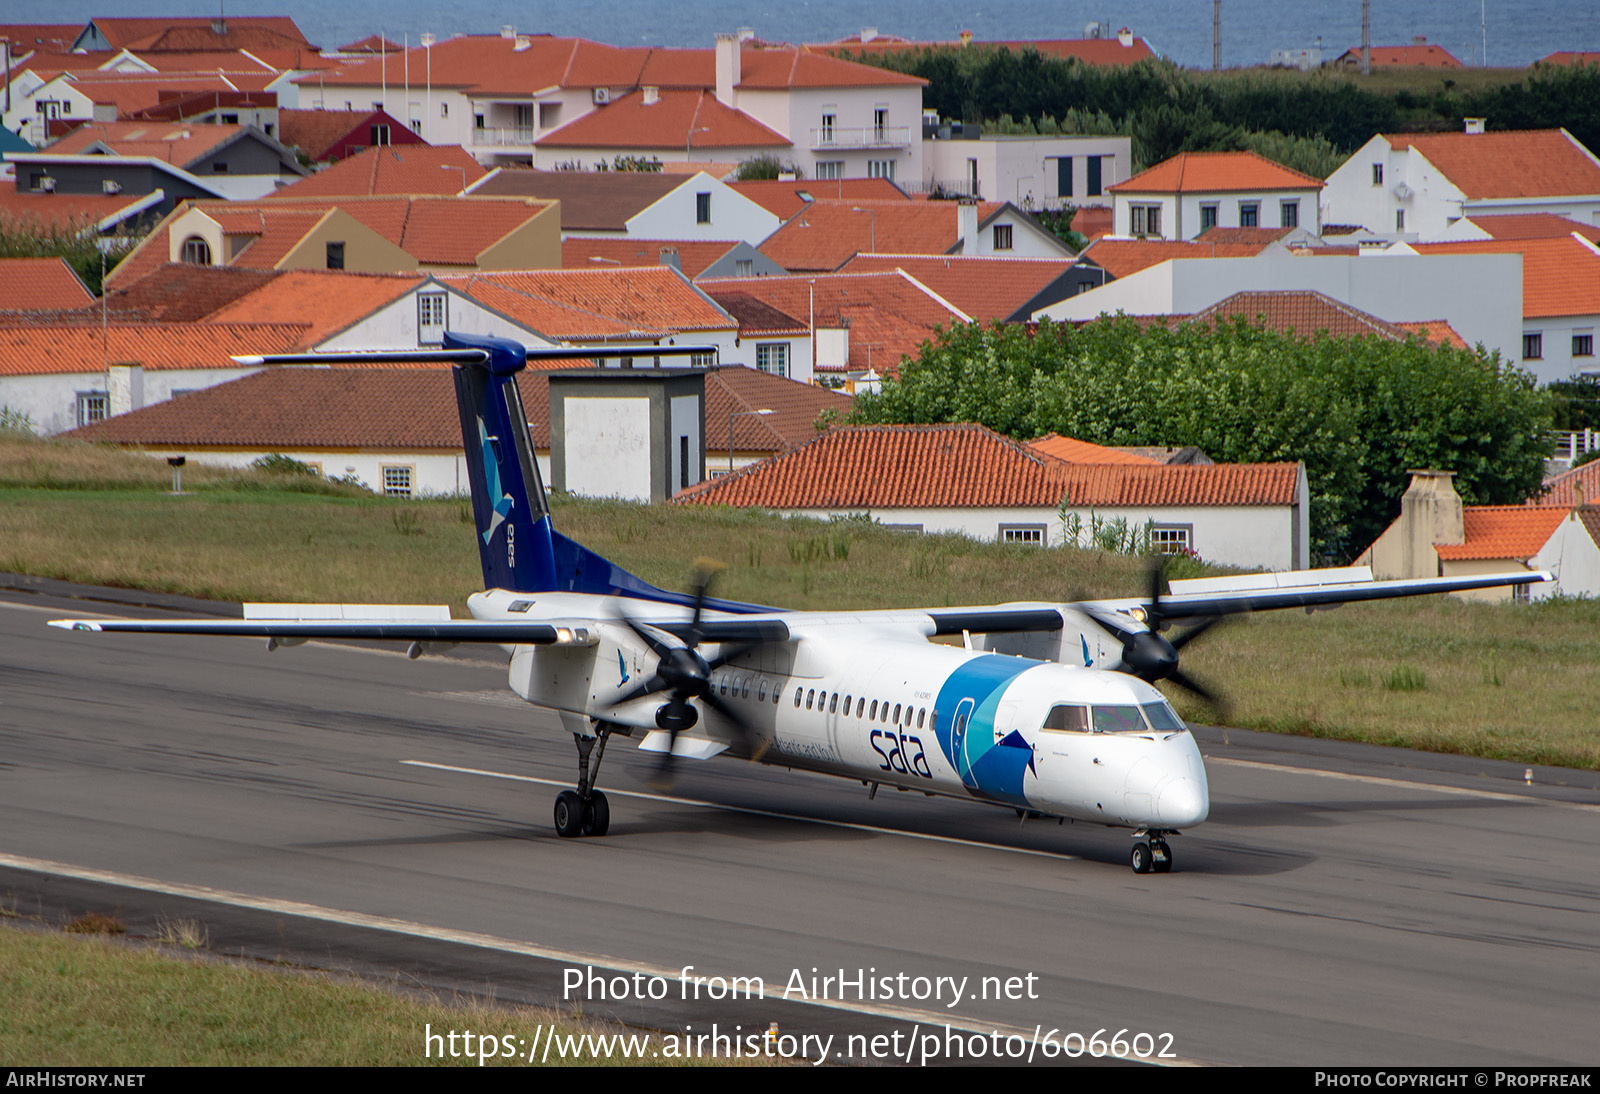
(1138, 613)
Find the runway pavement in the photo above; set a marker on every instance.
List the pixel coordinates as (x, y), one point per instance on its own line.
(1344, 905)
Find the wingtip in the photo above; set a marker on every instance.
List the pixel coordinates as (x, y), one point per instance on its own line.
(74, 625)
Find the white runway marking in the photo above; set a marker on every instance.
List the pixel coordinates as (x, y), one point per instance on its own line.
(488, 942)
(1405, 784)
(641, 795)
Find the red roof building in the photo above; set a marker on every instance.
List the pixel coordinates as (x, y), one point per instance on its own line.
(411, 170)
(1419, 54)
(34, 284)
(327, 136)
(1119, 51)
(990, 290)
(1195, 192)
(827, 233)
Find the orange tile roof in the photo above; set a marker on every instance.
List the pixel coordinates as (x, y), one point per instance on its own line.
(141, 34)
(1093, 51)
(372, 43)
(650, 301)
(969, 466)
(179, 144)
(1534, 226)
(1216, 172)
(991, 290)
(181, 293)
(222, 60)
(590, 201)
(1437, 331)
(489, 64)
(694, 255)
(554, 319)
(890, 315)
(757, 317)
(326, 301)
(62, 348)
(48, 36)
(1560, 276)
(1564, 489)
(1417, 55)
(1513, 164)
(1258, 236)
(1504, 531)
(828, 233)
(129, 92)
(1570, 57)
(1121, 257)
(81, 211)
(784, 197)
(1072, 450)
(411, 169)
(734, 389)
(40, 283)
(673, 120)
(1304, 313)
(1091, 221)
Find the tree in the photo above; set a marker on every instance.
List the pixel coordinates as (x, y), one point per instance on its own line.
(79, 242)
(1358, 413)
(766, 167)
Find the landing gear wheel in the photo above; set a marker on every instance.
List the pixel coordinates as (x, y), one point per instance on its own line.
(1161, 856)
(569, 814)
(596, 815)
(1140, 859)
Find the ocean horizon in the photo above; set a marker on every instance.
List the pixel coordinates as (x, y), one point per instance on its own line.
(1517, 34)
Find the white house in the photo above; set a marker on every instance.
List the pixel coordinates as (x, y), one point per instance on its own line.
(1466, 290)
(1031, 172)
(968, 480)
(1415, 186)
(1194, 192)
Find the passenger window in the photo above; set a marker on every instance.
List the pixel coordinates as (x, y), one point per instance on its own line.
(810, 695)
(897, 714)
(833, 704)
(798, 692)
(872, 715)
(861, 704)
(921, 713)
(761, 694)
(745, 691)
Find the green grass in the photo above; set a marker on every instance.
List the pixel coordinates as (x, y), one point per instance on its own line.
(1501, 681)
(83, 1001)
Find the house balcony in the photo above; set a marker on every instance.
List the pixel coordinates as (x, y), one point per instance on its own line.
(504, 136)
(840, 138)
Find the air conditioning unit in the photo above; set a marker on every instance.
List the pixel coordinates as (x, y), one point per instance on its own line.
(602, 95)
(111, 186)
(47, 184)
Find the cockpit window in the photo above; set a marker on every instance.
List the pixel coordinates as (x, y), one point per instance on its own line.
(1118, 720)
(1068, 719)
(1162, 717)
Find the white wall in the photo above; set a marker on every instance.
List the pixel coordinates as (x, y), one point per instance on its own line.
(1572, 557)
(395, 325)
(614, 436)
(1180, 213)
(1015, 168)
(1479, 295)
(1556, 333)
(675, 216)
(51, 399)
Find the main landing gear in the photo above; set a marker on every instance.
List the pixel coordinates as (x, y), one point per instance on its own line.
(1150, 853)
(585, 811)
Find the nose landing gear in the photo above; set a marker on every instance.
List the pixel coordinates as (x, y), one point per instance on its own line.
(1150, 853)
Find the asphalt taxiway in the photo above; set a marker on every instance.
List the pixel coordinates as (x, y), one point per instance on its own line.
(1343, 905)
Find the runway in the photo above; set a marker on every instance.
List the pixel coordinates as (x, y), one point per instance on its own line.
(1343, 905)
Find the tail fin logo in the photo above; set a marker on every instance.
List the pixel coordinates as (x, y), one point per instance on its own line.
(491, 474)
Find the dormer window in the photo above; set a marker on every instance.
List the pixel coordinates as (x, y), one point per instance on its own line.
(196, 252)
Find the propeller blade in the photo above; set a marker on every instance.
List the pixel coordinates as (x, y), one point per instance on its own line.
(753, 744)
(1182, 640)
(1195, 687)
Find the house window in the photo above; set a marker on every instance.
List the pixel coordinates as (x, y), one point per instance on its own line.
(880, 169)
(702, 360)
(1399, 220)
(444, 110)
(1208, 216)
(1249, 214)
(1095, 189)
(1064, 177)
(336, 256)
(1533, 347)
(702, 208)
(1031, 534)
(477, 121)
(91, 407)
(1583, 345)
(397, 482)
(416, 126)
(219, 168)
(1002, 237)
(379, 135)
(431, 314)
(744, 267)
(1171, 539)
(830, 169)
(825, 134)
(196, 252)
(1144, 220)
(773, 357)
(880, 125)
(1289, 214)
(230, 119)
(1377, 174)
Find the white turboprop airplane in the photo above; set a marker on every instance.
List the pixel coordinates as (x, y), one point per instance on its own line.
(1050, 711)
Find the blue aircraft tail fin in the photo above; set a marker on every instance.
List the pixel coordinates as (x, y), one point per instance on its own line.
(520, 550)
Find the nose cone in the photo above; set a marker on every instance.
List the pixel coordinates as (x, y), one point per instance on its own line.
(1183, 802)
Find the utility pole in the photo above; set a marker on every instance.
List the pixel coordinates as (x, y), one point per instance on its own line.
(1216, 35)
(1366, 37)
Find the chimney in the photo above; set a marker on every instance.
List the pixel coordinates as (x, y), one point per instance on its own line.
(1125, 38)
(508, 31)
(1419, 39)
(1475, 125)
(745, 34)
(669, 257)
(521, 43)
(124, 387)
(652, 95)
(868, 34)
(1430, 514)
(966, 38)
(967, 226)
(219, 26)
(727, 68)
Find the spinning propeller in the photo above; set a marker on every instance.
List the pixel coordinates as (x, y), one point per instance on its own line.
(682, 675)
(1151, 657)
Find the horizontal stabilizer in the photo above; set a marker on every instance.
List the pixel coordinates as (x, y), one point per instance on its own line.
(495, 631)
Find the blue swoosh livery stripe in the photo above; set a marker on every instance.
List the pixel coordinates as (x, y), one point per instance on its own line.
(988, 768)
